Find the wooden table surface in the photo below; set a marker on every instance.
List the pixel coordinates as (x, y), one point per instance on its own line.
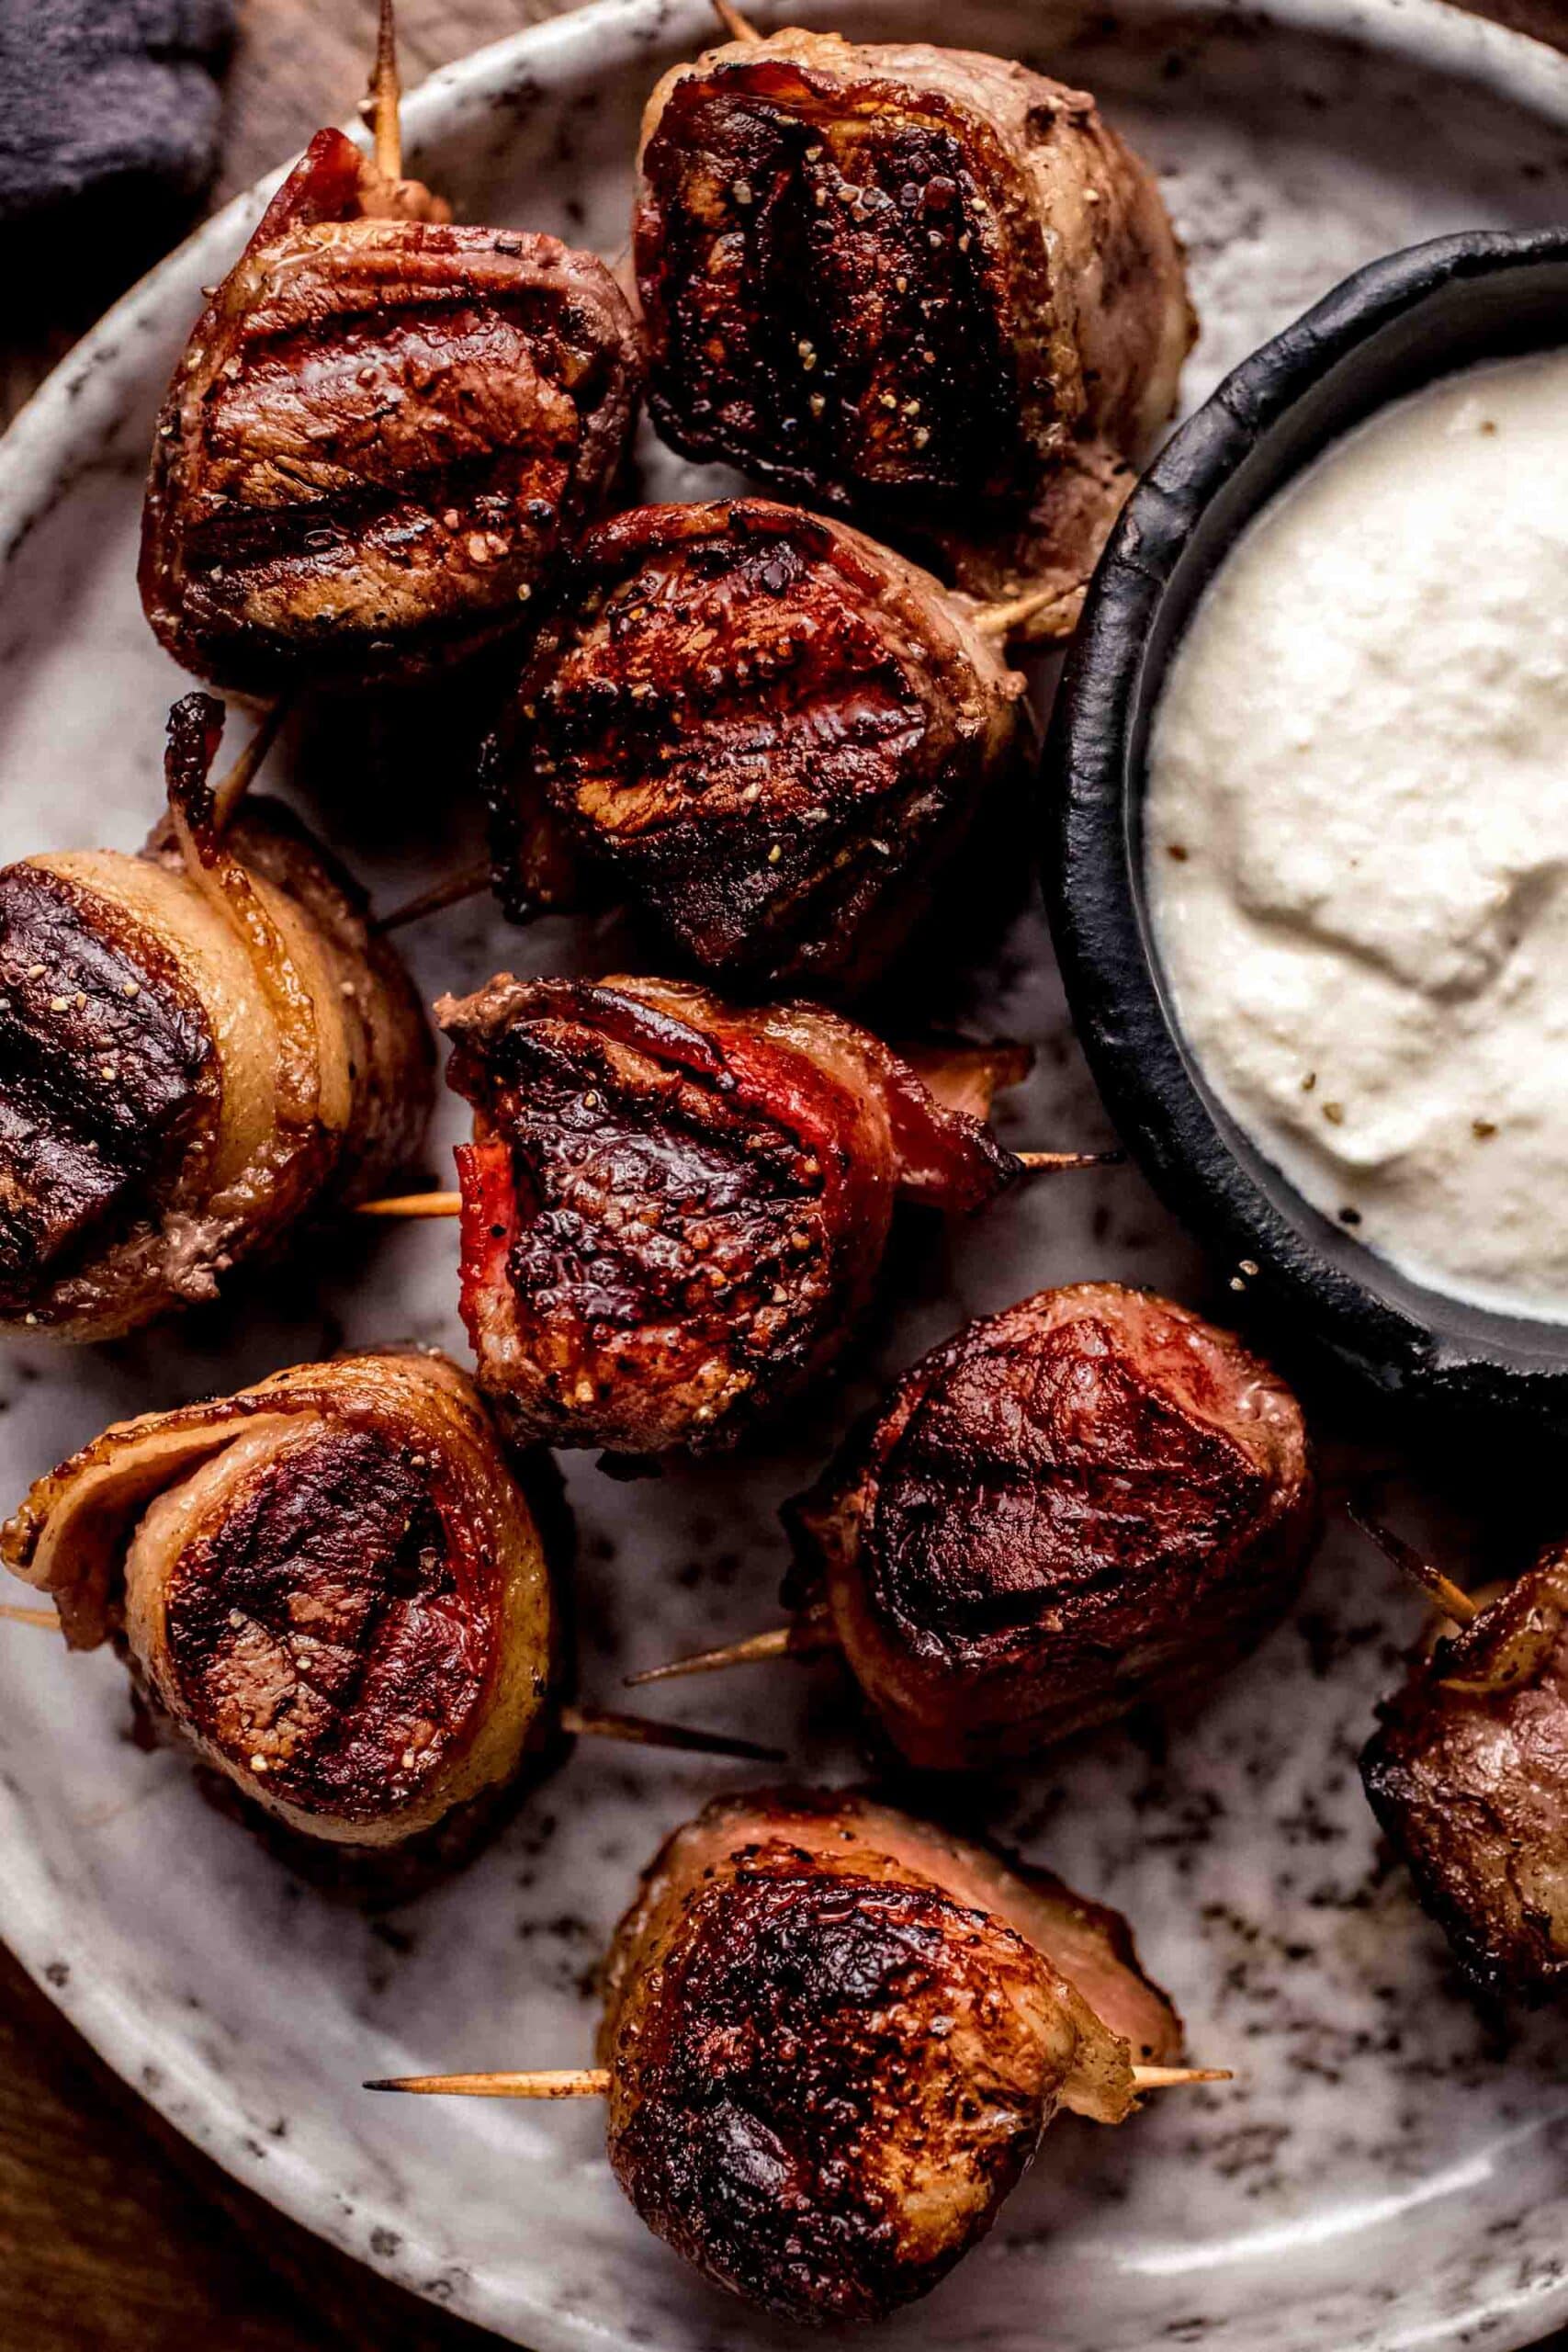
(116, 2235)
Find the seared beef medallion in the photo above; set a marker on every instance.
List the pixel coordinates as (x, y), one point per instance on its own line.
(333, 1590)
(382, 435)
(1092, 1500)
(198, 1045)
(921, 285)
(1468, 1776)
(758, 729)
(673, 1210)
(836, 2036)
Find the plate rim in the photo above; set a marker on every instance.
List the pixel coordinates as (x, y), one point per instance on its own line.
(1435, 34)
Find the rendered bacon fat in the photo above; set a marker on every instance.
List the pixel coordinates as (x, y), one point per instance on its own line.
(330, 1587)
(836, 2036)
(1469, 1777)
(673, 1210)
(197, 1046)
(1085, 1502)
(923, 284)
(382, 433)
(759, 728)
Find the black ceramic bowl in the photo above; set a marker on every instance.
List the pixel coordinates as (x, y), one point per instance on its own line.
(1384, 331)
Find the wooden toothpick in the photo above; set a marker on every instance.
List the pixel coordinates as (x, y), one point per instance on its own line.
(543, 2082)
(641, 1731)
(1037, 1163)
(1454, 1603)
(468, 884)
(737, 27)
(593, 2081)
(227, 796)
(1045, 1164)
(1166, 2078)
(44, 1618)
(1004, 619)
(383, 102)
(751, 1651)
(413, 1204)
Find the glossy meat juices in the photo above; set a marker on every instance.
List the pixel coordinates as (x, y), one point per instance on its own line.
(1358, 832)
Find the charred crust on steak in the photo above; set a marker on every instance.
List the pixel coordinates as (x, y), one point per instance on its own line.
(813, 2042)
(324, 1625)
(111, 1070)
(758, 729)
(915, 283)
(1088, 1500)
(1468, 1775)
(670, 1246)
(383, 433)
(675, 1208)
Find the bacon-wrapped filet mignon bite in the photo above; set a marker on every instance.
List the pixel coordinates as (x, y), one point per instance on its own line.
(758, 729)
(382, 435)
(334, 1591)
(835, 2037)
(1087, 1501)
(673, 1210)
(924, 285)
(1468, 1776)
(198, 1045)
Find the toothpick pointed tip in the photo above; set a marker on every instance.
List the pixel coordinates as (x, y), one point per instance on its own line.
(542, 2081)
(1002, 620)
(753, 1650)
(1451, 1599)
(1042, 1163)
(468, 884)
(643, 1731)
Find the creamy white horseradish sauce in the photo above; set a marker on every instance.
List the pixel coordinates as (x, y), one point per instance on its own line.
(1357, 831)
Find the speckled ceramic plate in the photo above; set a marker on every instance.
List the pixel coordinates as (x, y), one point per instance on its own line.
(1388, 2171)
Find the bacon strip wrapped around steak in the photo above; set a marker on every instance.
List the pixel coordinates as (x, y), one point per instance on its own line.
(198, 1045)
(1468, 1776)
(1087, 1501)
(835, 2037)
(921, 284)
(382, 435)
(333, 1590)
(760, 728)
(673, 1210)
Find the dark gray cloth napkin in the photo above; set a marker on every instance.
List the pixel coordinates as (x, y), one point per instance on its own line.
(107, 99)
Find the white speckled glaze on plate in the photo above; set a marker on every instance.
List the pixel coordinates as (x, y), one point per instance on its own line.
(1389, 2170)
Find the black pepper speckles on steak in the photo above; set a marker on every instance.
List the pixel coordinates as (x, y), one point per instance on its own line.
(675, 1208)
(921, 285)
(757, 728)
(384, 434)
